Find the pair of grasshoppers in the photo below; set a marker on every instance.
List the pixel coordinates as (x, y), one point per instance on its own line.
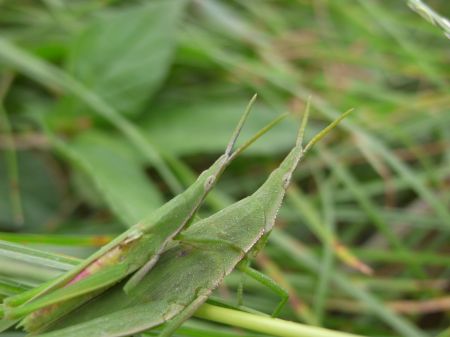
(163, 268)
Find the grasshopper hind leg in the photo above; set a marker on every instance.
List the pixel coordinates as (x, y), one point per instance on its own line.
(269, 283)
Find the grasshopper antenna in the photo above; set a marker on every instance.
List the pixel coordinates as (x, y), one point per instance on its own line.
(257, 135)
(325, 131)
(301, 131)
(238, 129)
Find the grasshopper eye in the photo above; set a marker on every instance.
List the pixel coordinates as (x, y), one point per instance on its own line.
(209, 182)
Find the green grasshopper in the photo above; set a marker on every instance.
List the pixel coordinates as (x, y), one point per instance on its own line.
(135, 250)
(188, 272)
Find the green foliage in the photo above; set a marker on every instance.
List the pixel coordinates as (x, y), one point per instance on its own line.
(108, 157)
(106, 55)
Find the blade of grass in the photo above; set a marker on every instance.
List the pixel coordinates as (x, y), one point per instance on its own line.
(8, 287)
(346, 177)
(21, 253)
(58, 239)
(385, 20)
(327, 262)
(11, 156)
(306, 210)
(426, 221)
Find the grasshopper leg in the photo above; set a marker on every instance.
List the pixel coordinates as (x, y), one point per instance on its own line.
(187, 312)
(245, 263)
(140, 274)
(269, 283)
(240, 291)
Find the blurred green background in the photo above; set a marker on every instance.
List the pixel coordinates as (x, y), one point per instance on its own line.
(110, 108)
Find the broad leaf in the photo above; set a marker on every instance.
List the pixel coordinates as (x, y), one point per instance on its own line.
(124, 56)
(117, 173)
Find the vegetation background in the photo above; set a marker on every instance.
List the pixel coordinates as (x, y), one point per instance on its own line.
(362, 242)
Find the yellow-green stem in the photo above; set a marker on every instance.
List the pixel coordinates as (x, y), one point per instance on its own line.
(267, 325)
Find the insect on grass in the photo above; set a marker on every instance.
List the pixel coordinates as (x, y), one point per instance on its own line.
(188, 272)
(135, 251)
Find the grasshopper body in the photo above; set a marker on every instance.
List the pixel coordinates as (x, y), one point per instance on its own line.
(138, 247)
(135, 250)
(188, 272)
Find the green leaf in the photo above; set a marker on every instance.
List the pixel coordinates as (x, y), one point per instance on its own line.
(117, 172)
(124, 56)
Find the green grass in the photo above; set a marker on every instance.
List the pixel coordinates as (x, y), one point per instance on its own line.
(108, 109)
